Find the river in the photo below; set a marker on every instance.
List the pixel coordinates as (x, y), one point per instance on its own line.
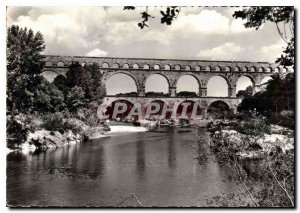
(159, 167)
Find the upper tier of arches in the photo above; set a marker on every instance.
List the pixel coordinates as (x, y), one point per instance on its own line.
(171, 65)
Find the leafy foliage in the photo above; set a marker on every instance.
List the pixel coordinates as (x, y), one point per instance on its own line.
(279, 95)
(245, 93)
(24, 65)
(256, 16)
(75, 98)
(267, 183)
(81, 86)
(167, 18)
(169, 15)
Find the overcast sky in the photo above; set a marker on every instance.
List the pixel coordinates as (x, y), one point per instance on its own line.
(198, 33)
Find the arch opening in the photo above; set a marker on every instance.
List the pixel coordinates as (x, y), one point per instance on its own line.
(159, 112)
(187, 86)
(116, 106)
(105, 65)
(156, 85)
(244, 86)
(264, 83)
(48, 64)
(121, 84)
(218, 110)
(60, 64)
(135, 66)
(188, 110)
(217, 86)
(49, 75)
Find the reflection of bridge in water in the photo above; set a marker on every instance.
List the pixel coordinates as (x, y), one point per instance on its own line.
(140, 69)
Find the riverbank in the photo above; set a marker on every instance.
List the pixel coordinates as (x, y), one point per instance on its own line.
(51, 133)
(259, 155)
(251, 140)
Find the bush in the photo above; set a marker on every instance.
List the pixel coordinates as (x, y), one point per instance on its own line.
(17, 131)
(283, 120)
(54, 122)
(256, 125)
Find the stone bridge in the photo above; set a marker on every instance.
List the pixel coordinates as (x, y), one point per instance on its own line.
(173, 102)
(172, 69)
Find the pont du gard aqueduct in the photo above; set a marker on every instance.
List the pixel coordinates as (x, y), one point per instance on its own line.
(139, 69)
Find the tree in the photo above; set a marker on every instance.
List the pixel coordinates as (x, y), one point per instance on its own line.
(279, 95)
(24, 66)
(245, 93)
(75, 98)
(87, 78)
(256, 16)
(49, 98)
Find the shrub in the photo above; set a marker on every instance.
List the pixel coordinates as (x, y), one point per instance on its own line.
(256, 125)
(54, 122)
(17, 131)
(283, 120)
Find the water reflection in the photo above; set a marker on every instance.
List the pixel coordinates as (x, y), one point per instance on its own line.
(172, 150)
(140, 159)
(157, 166)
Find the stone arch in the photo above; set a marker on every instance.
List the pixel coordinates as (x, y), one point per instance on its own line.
(208, 68)
(189, 109)
(167, 67)
(135, 66)
(264, 83)
(48, 64)
(95, 64)
(177, 67)
(126, 66)
(218, 109)
(245, 69)
(284, 70)
(198, 68)
(236, 69)
(162, 105)
(190, 83)
(218, 86)
(268, 69)
(146, 67)
(156, 67)
(265, 79)
(156, 79)
(111, 105)
(227, 69)
(218, 69)
(261, 69)
(124, 85)
(50, 75)
(69, 63)
(276, 70)
(105, 65)
(243, 82)
(188, 68)
(60, 64)
(252, 69)
(115, 66)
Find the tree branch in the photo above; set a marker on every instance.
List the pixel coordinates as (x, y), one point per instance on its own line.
(280, 185)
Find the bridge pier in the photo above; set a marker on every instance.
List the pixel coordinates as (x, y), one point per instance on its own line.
(172, 91)
(256, 89)
(232, 91)
(203, 92)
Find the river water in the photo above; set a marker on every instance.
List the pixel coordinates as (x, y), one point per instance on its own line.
(159, 167)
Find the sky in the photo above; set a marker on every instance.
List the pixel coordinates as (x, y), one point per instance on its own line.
(204, 33)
